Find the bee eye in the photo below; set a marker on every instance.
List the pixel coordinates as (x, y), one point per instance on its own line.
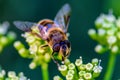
(62, 43)
(56, 47)
(67, 42)
(64, 47)
(64, 50)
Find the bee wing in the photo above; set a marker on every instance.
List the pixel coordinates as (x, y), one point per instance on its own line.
(63, 17)
(24, 26)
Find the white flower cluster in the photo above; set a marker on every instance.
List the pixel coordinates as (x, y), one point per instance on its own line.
(11, 75)
(107, 34)
(80, 70)
(36, 52)
(5, 36)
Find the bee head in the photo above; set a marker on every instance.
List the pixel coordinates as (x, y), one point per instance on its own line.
(64, 49)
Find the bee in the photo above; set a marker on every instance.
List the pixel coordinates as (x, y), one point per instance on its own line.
(52, 31)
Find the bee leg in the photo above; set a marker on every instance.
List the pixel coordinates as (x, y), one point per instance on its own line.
(44, 46)
(55, 60)
(52, 53)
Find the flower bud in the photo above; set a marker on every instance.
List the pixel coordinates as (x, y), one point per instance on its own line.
(32, 65)
(92, 33)
(63, 69)
(11, 74)
(78, 62)
(100, 49)
(88, 76)
(81, 73)
(71, 66)
(69, 77)
(57, 78)
(95, 61)
(89, 67)
(18, 45)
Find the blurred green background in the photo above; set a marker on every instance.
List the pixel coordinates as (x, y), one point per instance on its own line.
(84, 13)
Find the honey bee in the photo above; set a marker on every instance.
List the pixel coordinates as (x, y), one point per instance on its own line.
(53, 31)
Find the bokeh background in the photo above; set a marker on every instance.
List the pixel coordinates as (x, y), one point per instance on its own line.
(84, 13)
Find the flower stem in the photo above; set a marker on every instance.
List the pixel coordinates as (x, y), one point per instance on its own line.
(45, 73)
(110, 67)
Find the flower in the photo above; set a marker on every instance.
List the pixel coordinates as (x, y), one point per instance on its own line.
(3, 28)
(36, 51)
(11, 75)
(81, 71)
(107, 33)
(6, 37)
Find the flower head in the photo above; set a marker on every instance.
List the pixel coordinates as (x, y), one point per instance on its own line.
(107, 33)
(80, 70)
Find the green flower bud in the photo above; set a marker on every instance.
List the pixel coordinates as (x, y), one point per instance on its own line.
(100, 49)
(38, 59)
(57, 78)
(23, 52)
(26, 34)
(33, 49)
(88, 76)
(110, 17)
(23, 78)
(71, 66)
(32, 65)
(15, 78)
(82, 67)
(35, 29)
(71, 72)
(111, 40)
(111, 32)
(47, 57)
(69, 77)
(18, 45)
(11, 74)
(114, 49)
(99, 21)
(1, 76)
(63, 70)
(106, 25)
(4, 41)
(95, 61)
(11, 36)
(78, 62)
(67, 61)
(30, 39)
(3, 72)
(96, 71)
(101, 32)
(80, 79)
(81, 73)
(88, 66)
(41, 50)
(4, 28)
(21, 74)
(92, 33)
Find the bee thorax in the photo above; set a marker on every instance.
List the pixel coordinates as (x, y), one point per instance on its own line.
(56, 37)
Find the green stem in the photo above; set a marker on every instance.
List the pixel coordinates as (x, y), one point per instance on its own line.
(45, 73)
(110, 67)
